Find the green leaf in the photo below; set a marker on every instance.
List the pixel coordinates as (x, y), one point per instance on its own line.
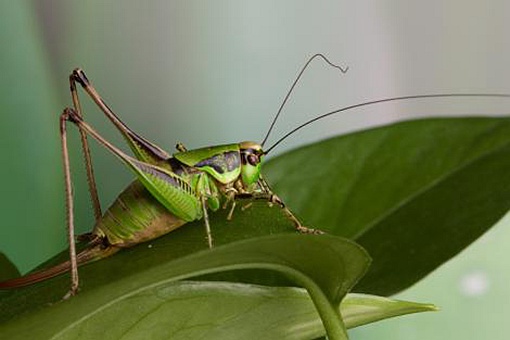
(414, 194)
(362, 309)
(326, 266)
(189, 310)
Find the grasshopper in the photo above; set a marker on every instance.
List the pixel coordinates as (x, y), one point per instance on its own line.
(169, 190)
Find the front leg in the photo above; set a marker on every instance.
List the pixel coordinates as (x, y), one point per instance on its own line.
(206, 222)
(272, 198)
(266, 189)
(230, 195)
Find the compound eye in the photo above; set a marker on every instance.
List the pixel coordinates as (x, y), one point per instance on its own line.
(253, 159)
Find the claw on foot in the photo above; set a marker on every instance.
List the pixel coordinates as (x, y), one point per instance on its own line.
(305, 230)
(247, 206)
(72, 292)
(231, 212)
(209, 242)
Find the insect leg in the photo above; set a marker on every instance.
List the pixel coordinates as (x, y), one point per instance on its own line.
(142, 148)
(267, 194)
(231, 211)
(64, 117)
(170, 189)
(272, 198)
(230, 195)
(247, 206)
(86, 153)
(206, 221)
(297, 224)
(206, 189)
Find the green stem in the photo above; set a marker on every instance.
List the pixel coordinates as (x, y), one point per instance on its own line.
(330, 316)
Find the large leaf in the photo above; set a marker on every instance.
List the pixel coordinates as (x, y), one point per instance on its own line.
(189, 310)
(414, 194)
(327, 266)
(361, 309)
(258, 220)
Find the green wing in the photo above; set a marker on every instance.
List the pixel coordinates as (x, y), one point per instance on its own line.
(169, 189)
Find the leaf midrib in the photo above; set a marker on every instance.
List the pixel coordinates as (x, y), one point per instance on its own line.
(426, 188)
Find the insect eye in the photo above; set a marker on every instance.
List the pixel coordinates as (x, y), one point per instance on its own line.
(253, 159)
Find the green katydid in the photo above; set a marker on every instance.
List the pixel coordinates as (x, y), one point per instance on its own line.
(169, 190)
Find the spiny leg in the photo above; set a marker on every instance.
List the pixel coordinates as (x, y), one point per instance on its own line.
(272, 198)
(79, 76)
(162, 183)
(206, 221)
(246, 206)
(149, 156)
(64, 117)
(143, 149)
(230, 197)
(72, 115)
(86, 153)
(231, 211)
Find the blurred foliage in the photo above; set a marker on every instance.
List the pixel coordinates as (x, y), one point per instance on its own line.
(32, 212)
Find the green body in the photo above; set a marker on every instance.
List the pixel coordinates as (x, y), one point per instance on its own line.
(134, 217)
(168, 192)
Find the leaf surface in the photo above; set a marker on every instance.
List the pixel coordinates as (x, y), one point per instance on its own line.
(327, 266)
(189, 310)
(414, 194)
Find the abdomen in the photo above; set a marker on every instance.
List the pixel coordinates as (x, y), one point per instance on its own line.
(135, 217)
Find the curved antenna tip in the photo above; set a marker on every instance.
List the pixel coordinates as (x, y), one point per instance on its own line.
(385, 100)
(315, 56)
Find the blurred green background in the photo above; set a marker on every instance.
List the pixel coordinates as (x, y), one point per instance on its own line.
(215, 72)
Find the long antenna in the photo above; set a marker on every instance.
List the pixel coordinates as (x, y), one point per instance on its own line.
(315, 56)
(372, 102)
